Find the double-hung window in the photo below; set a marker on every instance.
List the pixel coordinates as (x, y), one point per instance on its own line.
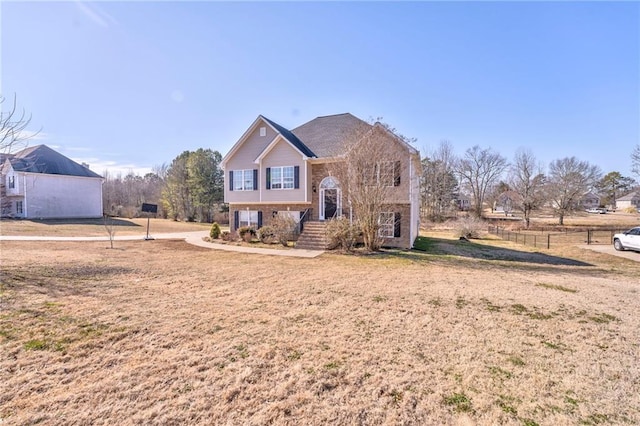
(19, 207)
(282, 177)
(385, 173)
(243, 180)
(12, 182)
(386, 222)
(248, 218)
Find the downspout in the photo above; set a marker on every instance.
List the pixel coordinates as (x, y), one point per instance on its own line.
(24, 204)
(411, 210)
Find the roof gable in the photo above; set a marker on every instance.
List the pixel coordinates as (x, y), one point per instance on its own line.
(280, 132)
(42, 159)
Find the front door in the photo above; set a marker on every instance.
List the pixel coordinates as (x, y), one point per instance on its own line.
(330, 203)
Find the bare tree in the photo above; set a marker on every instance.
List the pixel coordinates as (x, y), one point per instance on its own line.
(109, 226)
(13, 126)
(569, 180)
(526, 178)
(479, 169)
(438, 185)
(635, 160)
(367, 171)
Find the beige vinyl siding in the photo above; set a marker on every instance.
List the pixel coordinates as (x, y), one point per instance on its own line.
(243, 159)
(283, 154)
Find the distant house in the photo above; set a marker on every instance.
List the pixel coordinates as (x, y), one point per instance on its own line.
(507, 202)
(632, 199)
(589, 201)
(272, 171)
(461, 202)
(40, 183)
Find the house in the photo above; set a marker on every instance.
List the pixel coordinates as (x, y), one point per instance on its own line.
(41, 183)
(632, 199)
(507, 202)
(461, 202)
(589, 201)
(272, 170)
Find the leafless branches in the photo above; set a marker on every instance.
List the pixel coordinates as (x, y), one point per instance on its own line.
(13, 126)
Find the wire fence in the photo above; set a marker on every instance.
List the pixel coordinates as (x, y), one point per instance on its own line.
(545, 239)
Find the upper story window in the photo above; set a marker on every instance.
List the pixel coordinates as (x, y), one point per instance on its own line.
(243, 180)
(384, 173)
(281, 177)
(263, 131)
(12, 182)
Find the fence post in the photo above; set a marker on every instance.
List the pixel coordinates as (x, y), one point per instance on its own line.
(588, 236)
(534, 241)
(548, 241)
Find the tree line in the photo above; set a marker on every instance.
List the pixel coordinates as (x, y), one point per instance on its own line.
(484, 176)
(189, 189)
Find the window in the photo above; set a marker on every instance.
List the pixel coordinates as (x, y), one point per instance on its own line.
(386, 222)
(243, 180)
(263, 131)
(385, 173)
(282, 177)
(12, 182)
(19, 209)
(389, 223)
(247, 218)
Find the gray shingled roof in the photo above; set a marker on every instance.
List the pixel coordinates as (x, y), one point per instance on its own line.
(630, 196)
(42, 159)
(325, 135)
(286, 133)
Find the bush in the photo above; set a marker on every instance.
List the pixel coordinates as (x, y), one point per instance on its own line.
(631, 209)
(342, 234)
(247, 233)
(228, 236)
(214, 233)
(267, 235)
(469, 227)
(284, 228)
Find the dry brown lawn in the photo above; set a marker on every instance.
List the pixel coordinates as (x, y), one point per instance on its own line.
(161, 332)
(95, 227)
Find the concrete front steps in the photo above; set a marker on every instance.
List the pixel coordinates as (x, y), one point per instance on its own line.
(313, 236)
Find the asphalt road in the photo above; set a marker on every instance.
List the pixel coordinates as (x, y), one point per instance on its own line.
(608, 249)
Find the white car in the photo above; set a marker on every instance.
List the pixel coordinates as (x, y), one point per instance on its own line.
(628, 240)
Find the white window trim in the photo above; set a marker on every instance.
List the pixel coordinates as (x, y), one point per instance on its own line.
(236, 173)
(281, 181)
(391, 176)
(386, 225)
(19, 207)
(248, 216)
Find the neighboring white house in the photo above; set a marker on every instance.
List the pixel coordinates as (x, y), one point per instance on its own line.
(40, 183)
(632, 199)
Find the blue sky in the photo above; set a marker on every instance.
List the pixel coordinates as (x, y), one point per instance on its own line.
(130, 85)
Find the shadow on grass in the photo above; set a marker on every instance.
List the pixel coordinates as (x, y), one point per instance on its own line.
(469, 249)
(99, 222)
(68, 279)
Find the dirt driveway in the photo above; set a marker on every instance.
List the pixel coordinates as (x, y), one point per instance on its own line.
(608, 249)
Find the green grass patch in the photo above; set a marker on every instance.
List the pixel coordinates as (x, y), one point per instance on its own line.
(516, 360)
(459, 401)
(603, 318)
(423, 244)
(557, 287)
